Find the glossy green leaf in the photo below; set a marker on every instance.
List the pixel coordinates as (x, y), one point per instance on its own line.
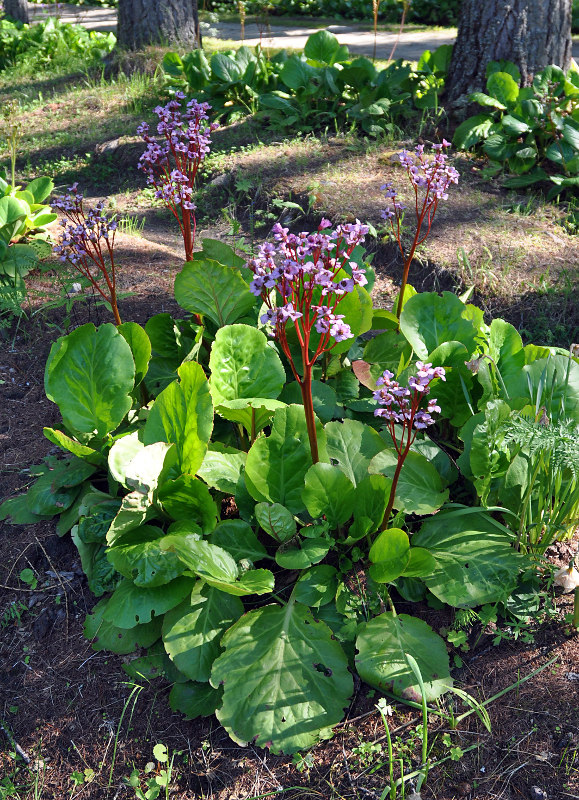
(381, 660)
(212, 289)
(421, 563)
(276, 465)
(222, 467)
(475, 560)
(193, 629)
(136, 508)
(285, 679)
(419, 489)
(238, 538)
(71, 445)
(138, 466)
(502, 86)
(351, 445)
(429, 320)
(132, 605)
(217, 567)
(118, 640)
(140, 345)
(188, 498)
(328, 493)
(183, 415)
(276, 520)
(89, 375)
(137, 555)
(253, 413)
(472, 131)
(244, 365)
(317, 586)
(390, 555)
(370, 501)
(301, 555)
(195, 699)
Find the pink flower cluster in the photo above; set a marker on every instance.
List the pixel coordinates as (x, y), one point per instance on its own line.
(171, 166)
(434, 175)
(303, 270)
(401, 404)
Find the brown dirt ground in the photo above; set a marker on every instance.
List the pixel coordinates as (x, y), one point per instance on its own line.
(63, 703)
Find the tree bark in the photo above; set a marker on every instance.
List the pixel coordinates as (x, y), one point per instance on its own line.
(143, 22)
(530, 33)
(17, 9)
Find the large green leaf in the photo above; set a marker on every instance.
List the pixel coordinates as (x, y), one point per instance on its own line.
(222, 466)
(351, 446)
(244, 365)
(132, 605)
(552, 382)
(454, 393)
(276, 465)
(503, 86)
(475, 560)
(390, 555)
(381, 660)
(193, 629)
(209, 288)
(194, 699)
(140, 345)
(472, 131)
(138, 466)
(183, 415)
(188, 498)
(429, 319)
(323, 48)
(217, 567)
(238, 538)
(370, 502)
(285, 679)
(40, 188)
(254, 413)
(89, 375)
(276, 520)
(328, 492)
(419, 489)
(107, 636)
(137, 555)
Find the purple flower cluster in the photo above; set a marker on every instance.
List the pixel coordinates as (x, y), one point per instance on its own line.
(400, 404)
(171, 166)
(433, 175)
(87, 242)
(304, 267)
(82, 231)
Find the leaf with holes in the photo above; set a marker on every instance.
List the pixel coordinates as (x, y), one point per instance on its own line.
(131, 605)
(285, 679)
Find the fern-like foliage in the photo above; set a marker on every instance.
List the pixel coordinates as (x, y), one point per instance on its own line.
(560, 442)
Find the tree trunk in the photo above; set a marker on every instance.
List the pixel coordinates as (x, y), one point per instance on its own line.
(143, 22)
(531, 33)
(17, 9)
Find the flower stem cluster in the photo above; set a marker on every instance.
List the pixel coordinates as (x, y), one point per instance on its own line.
(172, 166)
(401, 405)
(302, 280)
(430, 179)
(87, 243)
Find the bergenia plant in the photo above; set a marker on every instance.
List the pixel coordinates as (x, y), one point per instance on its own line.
(172, 165)
(430, 179)
(402, 408)
(302, 281)
(87, 243)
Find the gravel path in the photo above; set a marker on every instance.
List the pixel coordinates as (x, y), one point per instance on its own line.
(359, 39)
